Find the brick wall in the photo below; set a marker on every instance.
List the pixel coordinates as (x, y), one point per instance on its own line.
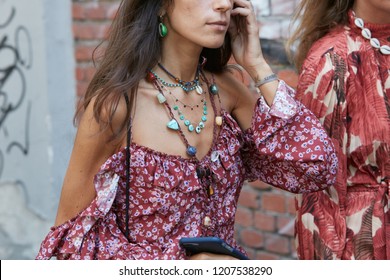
(265, 216)
(264, 223)
(91, 21)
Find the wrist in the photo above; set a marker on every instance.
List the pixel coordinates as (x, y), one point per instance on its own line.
(259, 71)
(267, 79)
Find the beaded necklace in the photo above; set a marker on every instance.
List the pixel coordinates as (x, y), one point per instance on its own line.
(173, 123)
(203, 171)
(190, 125)
(186, 86)
(185, 105)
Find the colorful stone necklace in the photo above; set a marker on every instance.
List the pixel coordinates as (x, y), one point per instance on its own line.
(191, 126)
(185, 105)
(173, 124)
(186, 86)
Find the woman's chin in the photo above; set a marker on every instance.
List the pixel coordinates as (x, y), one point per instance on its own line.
(214, 45)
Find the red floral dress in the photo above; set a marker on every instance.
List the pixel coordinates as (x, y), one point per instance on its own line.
(346, 83)
(286, 146)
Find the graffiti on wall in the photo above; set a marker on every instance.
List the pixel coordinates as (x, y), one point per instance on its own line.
(16, 59)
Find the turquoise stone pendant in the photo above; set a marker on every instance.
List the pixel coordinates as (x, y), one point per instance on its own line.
(173, 125)
(214, 89)
(191, 151)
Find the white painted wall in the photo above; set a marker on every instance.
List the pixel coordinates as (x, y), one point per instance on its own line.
(37, 89)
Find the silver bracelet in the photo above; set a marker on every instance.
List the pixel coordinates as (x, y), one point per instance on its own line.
(270, 78)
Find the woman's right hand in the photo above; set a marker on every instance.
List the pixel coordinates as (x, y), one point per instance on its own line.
(210, 256)
(245, 42)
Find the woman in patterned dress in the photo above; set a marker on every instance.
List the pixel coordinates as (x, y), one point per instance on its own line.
(344, 80)
(168, 135)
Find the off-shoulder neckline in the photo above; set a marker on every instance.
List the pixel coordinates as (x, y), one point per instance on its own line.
(149, 150)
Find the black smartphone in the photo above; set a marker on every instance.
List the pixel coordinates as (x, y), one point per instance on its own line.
(215, 245)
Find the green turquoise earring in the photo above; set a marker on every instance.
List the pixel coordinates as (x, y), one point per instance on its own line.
(162, 28)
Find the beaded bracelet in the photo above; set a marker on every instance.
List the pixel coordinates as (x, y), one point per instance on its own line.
(270, 78)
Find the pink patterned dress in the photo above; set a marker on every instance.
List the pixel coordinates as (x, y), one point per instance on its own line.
(346, 83)
(286, 147)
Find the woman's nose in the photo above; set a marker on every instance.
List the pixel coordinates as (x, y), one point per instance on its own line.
(223, 5)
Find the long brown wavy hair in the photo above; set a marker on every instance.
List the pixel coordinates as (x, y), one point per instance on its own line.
(314, 19)
(132, 47)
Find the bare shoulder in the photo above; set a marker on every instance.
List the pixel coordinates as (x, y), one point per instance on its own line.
(118, 115)
(233, 84)
(92, 147)
(229, 88)
(236, 96)
(108, 123)
(96, 137)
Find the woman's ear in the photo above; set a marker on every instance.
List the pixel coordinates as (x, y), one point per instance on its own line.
(163, 8)
(166, 7)
(161, 13)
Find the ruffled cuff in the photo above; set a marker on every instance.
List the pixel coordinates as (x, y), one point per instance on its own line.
(284, 105)
(103, 241)
(93, 233)
(268, 120)
(287, 146)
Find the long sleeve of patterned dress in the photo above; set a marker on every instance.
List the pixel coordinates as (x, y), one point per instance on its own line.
(345, 83)
(287, 146)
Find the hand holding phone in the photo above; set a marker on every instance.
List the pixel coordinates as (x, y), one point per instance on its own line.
(215, 245)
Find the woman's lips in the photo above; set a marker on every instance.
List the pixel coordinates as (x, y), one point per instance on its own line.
(219, 25)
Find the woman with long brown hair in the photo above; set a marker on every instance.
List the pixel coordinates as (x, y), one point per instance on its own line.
(168, 135)
(343, 54)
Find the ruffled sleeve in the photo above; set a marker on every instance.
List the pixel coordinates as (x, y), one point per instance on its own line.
(93, 233)
(287, 146)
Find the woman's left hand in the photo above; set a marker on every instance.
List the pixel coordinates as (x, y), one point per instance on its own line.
(210, 256)
(244, 32)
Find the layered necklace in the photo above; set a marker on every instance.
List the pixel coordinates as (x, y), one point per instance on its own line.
(366, 33)
(186, 86)
(191, 126)
(173, 124)
(204, 173)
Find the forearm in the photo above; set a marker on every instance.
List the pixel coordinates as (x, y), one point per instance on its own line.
(268, 89)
